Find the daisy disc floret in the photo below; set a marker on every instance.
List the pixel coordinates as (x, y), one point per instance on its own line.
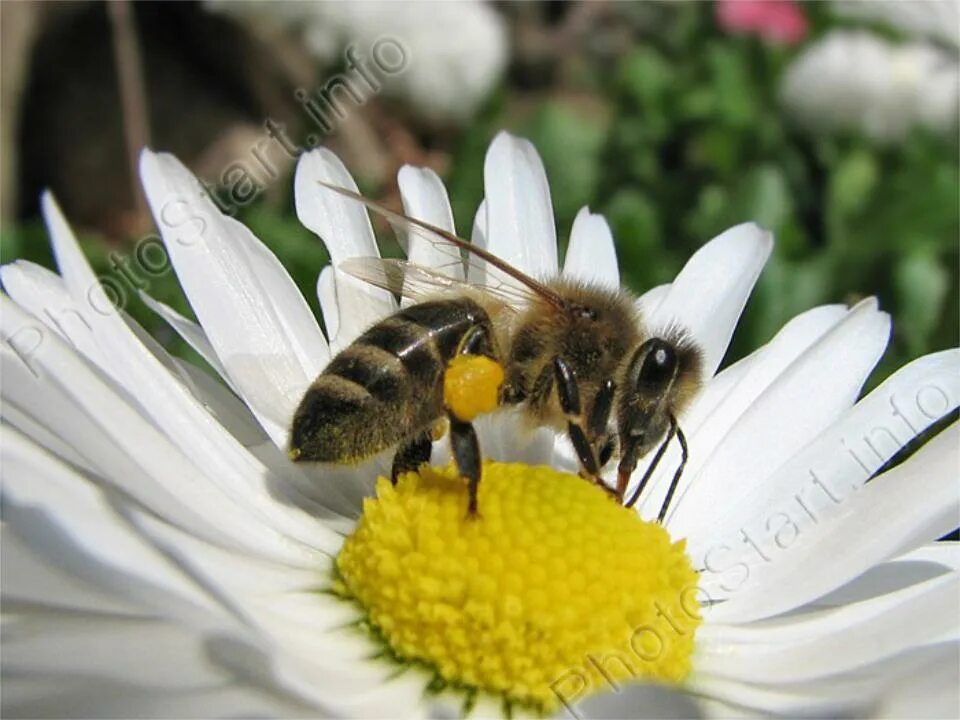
(555, 585)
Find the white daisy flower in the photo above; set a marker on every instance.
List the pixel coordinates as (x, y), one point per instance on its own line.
(938, 19)
(854, 80)
(162, 557)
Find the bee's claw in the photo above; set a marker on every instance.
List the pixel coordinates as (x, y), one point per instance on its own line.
(599, 482)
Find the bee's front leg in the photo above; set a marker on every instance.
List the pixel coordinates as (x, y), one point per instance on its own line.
(598, 426)
(568, 394)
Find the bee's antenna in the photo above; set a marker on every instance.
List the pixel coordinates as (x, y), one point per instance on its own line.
(684, 454)
(653, 465)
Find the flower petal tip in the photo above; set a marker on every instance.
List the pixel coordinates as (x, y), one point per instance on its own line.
(760, 235)
(867, 303)
(49, 205)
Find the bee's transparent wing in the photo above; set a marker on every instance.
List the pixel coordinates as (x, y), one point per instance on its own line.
(419, 283)
(500, 278)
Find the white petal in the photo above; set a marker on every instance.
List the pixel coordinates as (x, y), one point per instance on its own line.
(254, 316)
(887, 577)
(345, 228)
(945, 554)
(329, 306)
(120, 560)
(425, 198)
(64, 393)
(476, 272)
(141, 475)
(108, 647)
(637, 700)
(930, 691)
(75, 528)
(841, 458)
(29, 582)
(326, 494)
(235, 417)
(912, 504)
(237, 474)
(386, 696)
(506, 436)
(519, 212)
(43, 294)
(31, 427)
(229, 410)
(708, 295)
(245, 579)
(191, 333)
(739, 698)
(591, 254)
(851, 694)
(785, 416)
(71, 697)
(833, 641)
(648, 303)
(727, 396)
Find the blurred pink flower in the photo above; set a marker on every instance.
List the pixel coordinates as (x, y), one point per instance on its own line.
(773, 20)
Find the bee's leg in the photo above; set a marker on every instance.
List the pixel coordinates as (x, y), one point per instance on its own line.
(411, 455)
(466, 452)
(628, 464)
(476, 341)
(602, 407)
(569, 395)
(598, 422)
(540, 391)
(606, 451)
(684, 454)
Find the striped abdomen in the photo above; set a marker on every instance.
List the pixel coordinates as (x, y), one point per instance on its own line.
(385, 387)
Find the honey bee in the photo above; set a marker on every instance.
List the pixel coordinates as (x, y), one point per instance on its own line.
(576, 357)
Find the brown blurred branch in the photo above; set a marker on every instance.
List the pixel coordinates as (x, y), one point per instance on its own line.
(133, 101)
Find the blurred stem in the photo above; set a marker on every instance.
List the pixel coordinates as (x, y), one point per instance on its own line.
(133, 101)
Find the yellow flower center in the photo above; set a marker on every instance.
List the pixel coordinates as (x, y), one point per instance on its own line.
(553, 593)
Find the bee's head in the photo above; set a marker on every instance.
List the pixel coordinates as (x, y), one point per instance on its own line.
(658, 382)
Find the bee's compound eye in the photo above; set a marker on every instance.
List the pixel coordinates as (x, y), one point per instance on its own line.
(659, 366)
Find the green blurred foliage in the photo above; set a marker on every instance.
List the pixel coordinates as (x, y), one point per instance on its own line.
(698, 142)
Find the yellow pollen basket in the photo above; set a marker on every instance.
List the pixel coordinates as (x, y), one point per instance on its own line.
(555, 592)
(471, 386)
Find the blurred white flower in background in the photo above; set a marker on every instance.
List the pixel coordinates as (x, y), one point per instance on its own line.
(856, 80)
(457, 51)
(938, 19)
